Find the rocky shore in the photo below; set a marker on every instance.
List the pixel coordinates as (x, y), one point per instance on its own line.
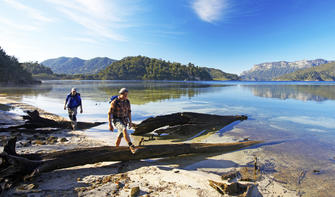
(189, 175)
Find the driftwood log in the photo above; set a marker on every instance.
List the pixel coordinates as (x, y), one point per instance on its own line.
(14, 167)
(35, 121)
(185, 123)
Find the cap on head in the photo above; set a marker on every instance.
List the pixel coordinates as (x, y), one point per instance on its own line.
(74, 90)
(123, 90)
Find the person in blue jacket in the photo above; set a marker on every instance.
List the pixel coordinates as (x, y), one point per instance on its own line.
(72, 102)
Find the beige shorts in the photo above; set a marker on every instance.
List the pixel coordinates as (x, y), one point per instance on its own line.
(120, 126)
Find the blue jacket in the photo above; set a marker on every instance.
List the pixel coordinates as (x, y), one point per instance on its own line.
(73, 101)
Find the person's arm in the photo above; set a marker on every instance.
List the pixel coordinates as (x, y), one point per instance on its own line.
(130, 122)
(129, 117)
(110, 115)
(67, 98)
(81, 105)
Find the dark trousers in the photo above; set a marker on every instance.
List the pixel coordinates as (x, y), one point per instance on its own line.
(73, 116)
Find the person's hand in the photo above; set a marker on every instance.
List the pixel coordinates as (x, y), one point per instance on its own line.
(64, 107)
(131, 125)
(111, 128)
(81, 111)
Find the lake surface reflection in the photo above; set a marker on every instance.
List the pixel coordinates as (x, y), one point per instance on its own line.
(299, 92)
(299, 115)
(309, 105)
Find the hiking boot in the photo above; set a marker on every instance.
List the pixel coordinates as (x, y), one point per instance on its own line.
(133, 149)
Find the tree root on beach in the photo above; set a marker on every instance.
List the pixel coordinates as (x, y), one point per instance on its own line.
(35, 121)
(15, 168)
(234, 189)
(185, 123)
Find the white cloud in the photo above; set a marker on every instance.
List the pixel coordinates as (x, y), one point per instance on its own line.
(32, 12)
(99, 17)
(9, 23)
(97, 9)
(325, 122)
(210, 10)
(317, 130)
(92, 25)
(82, 39)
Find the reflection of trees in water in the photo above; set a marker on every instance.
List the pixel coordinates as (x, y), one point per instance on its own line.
(145, 95)
(140, 92)
(298, 92)
(145, 92)
(33, 90)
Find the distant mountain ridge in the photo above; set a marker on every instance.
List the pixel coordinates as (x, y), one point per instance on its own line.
(325, 72)
(75, 65)
(128, 68)
(271, 70)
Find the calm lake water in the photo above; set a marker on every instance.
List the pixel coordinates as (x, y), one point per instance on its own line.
(297, 119)
(288, 109)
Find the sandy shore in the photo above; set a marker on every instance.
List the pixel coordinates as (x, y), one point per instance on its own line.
(178, 176)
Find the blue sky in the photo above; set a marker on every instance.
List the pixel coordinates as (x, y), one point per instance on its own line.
(231, 35)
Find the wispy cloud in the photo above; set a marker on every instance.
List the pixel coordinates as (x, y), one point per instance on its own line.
(99, 17)
(82, 39)
(325, 122)
(9, 23)
(97, 9)
(210, 10)
(31, 12)
(92, 25)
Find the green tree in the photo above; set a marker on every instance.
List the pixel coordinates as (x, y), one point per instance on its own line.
(12, 72)
(144, 68)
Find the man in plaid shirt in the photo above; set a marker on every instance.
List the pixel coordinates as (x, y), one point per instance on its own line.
(120, 112)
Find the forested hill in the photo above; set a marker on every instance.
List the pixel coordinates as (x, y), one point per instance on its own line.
(145, 68)
(67, 65)
(11, 71)
(325, 72)
(218, 74)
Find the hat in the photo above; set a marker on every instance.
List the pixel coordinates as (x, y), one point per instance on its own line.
(74, 89)
(123, 90)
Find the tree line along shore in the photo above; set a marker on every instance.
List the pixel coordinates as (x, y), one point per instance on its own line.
(129, 68)
(144, 68)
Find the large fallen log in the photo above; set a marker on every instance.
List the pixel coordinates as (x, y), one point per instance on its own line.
(184, 124)
(35, 121)
(15, 167)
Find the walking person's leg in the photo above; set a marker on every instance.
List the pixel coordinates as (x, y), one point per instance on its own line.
(118, 141)
(122, 132)
(127, 138)
(119, 126)
(70, 112)
(72, 115)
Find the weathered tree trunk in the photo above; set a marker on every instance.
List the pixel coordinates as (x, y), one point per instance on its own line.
(14, 167)
(35, 121)
(186, 123)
